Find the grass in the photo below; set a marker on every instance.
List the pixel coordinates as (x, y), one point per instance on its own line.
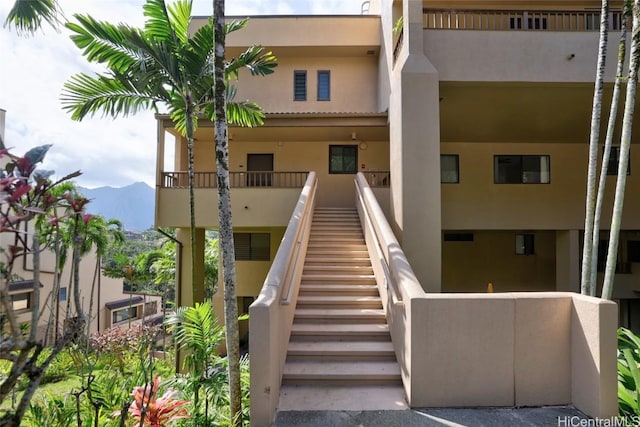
(59, 388)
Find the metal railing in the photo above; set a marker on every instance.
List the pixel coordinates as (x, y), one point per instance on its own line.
(236, 179)
(517, 20)
(377, 178)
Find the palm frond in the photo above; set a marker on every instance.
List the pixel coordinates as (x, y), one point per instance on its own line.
(235, 25)
(258, 62)
(104, 43)
(245, 113)
(87, 95)
(179, 19)
(27, 16)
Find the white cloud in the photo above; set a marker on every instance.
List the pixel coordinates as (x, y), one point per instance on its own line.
(108, 152)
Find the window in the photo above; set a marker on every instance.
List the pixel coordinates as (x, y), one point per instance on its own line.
(324, 85)
(517, 169)
(300, 85)
(252, 246)
(150, 308)
(63, 294)
(633, 250)
(458, 237)
(614, 160)
(343, 158)
(449, 169)
(525, 244)
(21, 301)
(124, 314)
(532, 23)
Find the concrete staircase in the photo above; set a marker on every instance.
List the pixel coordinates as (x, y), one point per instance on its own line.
(340, 355)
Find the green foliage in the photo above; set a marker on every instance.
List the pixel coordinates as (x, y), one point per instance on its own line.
(27, 16)
(628, 373)
(159, 64)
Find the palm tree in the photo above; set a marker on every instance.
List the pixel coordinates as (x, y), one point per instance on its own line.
(590, 203)
(195, 330)
(27, 16)
(224, 211)
(627, 121)
(613, 114)
(160, 64)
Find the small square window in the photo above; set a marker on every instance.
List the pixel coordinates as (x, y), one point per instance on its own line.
(525, 244)
(63, 294)
(300, 85)
(343, 158)
(614, 161)
(449, 169)
(252, 246)
(324, 85)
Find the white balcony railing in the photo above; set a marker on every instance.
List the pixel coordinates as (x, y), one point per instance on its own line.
(517, 20)
(236, 179)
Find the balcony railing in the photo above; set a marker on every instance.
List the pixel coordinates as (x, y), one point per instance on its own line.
(377, 178)
(236, 179)
(517, 20)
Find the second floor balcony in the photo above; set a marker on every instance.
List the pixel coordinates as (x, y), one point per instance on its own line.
(515, 45)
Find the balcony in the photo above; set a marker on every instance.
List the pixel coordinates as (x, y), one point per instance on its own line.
(236, 179)
(498, 45)
(258, 199)
(517, 20)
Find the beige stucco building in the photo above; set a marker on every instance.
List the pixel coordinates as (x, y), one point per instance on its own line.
(469, 124)
(471, 121)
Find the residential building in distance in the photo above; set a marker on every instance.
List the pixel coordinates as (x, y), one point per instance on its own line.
(110, 305)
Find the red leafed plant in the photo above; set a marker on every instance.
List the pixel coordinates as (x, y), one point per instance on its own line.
(153, 411)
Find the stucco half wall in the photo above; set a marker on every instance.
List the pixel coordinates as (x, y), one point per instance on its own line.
(510, 349)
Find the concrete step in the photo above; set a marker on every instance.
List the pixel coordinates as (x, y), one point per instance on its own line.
(348, 301)
(320, 234)
(341, 398)
(346, 259)
(339, 315)
(341, 372)
(363, 279)
(334, 351)
(347, 289)
(338, 269)
(333, 247)
(340, 332)
(318, 253)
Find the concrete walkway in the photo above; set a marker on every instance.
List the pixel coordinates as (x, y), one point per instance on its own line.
(482, 417)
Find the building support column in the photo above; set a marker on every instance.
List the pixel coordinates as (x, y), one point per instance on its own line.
(190, 292)
(568, 260)
(415, 153)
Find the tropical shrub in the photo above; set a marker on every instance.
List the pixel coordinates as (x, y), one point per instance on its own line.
(628, 373)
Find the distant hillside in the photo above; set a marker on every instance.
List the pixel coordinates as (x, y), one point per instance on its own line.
(133, 204)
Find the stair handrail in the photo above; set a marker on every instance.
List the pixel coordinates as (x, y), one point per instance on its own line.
(401, 280)
(301, 228)
(271, 314)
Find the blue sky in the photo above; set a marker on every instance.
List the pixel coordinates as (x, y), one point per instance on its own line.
(114, 152)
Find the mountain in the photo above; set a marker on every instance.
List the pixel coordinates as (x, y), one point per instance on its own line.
(133, 204)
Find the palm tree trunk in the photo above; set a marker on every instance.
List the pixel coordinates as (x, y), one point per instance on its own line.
(613, 115)
(196, 288)
(590, 203)
(226, 227)
(627, 121)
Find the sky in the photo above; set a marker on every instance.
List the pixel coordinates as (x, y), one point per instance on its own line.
(108, 152)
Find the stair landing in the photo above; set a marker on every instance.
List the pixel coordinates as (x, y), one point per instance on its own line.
(340, 355)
